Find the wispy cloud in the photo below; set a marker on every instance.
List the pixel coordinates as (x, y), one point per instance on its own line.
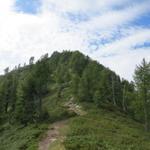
(105, 30)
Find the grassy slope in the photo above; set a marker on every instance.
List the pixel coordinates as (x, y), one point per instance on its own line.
(101, 129)
(16, 138)
(27, 138)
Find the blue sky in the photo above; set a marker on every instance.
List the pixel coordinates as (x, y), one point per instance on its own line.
(28, 6)
(143, 20)
(114, 32)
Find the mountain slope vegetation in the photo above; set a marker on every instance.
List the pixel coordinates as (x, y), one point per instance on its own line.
(105, 129)
(34, 96)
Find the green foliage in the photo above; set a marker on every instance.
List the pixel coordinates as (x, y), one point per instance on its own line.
(22, 89)
(84, 88)
(25, 106)
(98, 97)
(75, 85)
(142, 81)
(106, 130)
(18, 138)
(56, 110)
(36, 93)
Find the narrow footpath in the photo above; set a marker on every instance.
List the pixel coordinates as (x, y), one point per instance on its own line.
(53, 132)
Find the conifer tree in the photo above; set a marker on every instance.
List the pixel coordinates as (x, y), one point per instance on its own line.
(25, 105)
(75, 85)
(142, 80)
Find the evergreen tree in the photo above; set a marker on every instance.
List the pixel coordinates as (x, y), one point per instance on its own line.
(42, 74)
(1, 102)
(84, 87)
(98, 97)
(78, 63)
(25, 105)
(31, 61)
(22, 90)
(142, 81)
(75, 85)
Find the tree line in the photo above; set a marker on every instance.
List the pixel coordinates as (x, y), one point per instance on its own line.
(23, 88)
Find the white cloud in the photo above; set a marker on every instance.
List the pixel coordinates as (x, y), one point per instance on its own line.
(125, 64)
(123, 57)
(6, 6)
(124, 45)
(82, 5)
(115, 18)
(25, 35)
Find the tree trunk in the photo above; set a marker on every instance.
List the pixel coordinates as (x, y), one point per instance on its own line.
(145, 110)
(124, 100)
(40, 105)
(113, 92)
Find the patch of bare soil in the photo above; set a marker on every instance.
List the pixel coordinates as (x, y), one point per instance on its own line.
(52, 135)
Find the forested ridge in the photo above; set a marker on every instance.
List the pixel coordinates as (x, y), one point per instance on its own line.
(23, 89)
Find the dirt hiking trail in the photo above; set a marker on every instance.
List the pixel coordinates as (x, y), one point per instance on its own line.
(53, 132)
(52, 135)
